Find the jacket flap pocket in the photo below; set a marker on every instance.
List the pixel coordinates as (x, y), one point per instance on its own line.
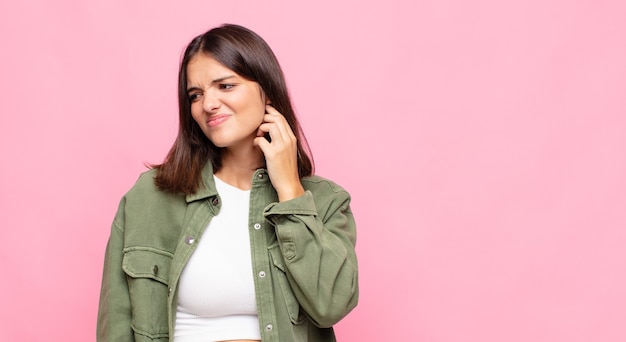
(146, 262)
(277, 257)
(291, 303)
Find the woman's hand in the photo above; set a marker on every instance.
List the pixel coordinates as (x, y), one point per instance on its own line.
(281, 154)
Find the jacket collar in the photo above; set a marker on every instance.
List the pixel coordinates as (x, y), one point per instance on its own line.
(207, 189)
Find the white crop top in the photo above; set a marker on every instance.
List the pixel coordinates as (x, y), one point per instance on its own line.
(216, 297)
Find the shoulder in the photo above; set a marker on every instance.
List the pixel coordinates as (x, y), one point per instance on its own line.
(145, 205)
(317, 183)
(326, 193)
(145, 189)
(144, 184)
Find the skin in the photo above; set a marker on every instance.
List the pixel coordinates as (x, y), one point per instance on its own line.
(234, 114)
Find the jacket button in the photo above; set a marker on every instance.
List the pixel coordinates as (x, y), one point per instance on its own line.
(257, 226)
(261, 176)
(189, 240)
(269, 327)
(262, 274)
(215, 201)
(155, 269)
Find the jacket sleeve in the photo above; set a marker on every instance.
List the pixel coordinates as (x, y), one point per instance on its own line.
(114, 315)
(317, 238)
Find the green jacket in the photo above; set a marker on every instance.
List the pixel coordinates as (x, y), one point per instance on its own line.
(303, 258)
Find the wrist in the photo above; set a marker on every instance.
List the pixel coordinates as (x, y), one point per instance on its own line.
(290, 193)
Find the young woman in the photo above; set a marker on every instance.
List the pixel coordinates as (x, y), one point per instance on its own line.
(232, 238)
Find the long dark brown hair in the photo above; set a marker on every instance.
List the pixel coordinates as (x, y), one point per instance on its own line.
(247, 54)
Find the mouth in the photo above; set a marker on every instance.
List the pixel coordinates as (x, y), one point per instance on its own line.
(216, 120)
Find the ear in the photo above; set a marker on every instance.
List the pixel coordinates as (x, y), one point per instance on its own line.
(265, 98)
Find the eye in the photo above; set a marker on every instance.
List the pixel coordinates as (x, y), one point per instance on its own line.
(193, 97)
(226, 86)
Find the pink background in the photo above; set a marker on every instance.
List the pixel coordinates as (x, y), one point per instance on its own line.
(484, 143)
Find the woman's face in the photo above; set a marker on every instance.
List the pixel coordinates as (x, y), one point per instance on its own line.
(228, 108)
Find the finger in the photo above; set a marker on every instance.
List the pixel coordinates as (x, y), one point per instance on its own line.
(274, 125)
(278, 137)
(283, 126)
(277, 141)
(263, 128)
(271, 110)
(262, 143)
(286, 128)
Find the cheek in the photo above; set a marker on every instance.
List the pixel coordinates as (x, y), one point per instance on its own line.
(254, 109)
(258, 116)
(259, 106)
(196, 112)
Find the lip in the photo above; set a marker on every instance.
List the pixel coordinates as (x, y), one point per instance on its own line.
(216, 120)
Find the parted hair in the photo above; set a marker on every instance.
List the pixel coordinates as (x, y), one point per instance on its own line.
(247, 54)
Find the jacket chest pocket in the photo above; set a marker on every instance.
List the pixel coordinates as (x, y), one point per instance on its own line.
(147, 271)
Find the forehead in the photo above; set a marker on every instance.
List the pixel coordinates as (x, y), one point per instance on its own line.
(204, 68)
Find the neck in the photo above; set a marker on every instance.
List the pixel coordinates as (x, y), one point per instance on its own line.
(238, 166)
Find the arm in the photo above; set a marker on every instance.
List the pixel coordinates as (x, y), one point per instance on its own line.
(114, 308)
(315, 228)
(318, 251)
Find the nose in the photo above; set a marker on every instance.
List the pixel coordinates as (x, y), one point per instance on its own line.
(210, 102)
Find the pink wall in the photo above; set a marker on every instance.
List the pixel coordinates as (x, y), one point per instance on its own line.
(484, 144)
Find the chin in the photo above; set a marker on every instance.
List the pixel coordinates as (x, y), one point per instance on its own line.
(223, 143)
(219, 141)
(219, 144)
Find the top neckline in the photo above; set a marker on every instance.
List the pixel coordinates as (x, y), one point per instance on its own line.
(228, 186)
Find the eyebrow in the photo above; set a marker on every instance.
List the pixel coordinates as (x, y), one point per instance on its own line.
(217, 80)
